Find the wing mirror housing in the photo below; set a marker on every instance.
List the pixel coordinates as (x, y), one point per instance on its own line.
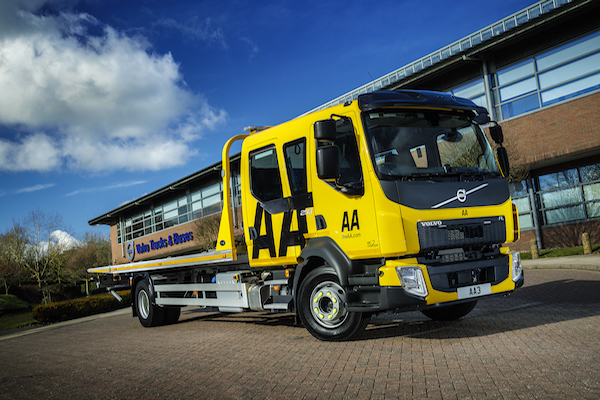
(325, 130)
(496, 133)
(328, 162)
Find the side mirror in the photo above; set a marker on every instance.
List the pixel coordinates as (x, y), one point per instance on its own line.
(503, 160)
(496, 134)
(328, 163)
(325, 130)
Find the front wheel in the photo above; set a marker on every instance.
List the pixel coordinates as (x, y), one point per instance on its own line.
(450, 313)
(322, 307)
(148, 313)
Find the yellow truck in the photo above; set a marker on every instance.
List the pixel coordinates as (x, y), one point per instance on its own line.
(393, 201)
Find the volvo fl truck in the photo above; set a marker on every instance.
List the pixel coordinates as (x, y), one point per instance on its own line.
(393, 201)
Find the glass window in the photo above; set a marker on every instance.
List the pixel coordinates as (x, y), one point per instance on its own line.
(515, 72)
(476, 39)
(211, 200)
(571, 89)
(170, 214)
(522, 204)
(583, 66)
(170, 223)
(345, 141)
(469, 90)
(562, 197)
(170, 206)
(436, 58)
(510, 23)
(265, 181)
(296, 166)
(487, 34)
(498, 29)
(590, 173)
(559, 179)
(518, 89)
(534, 12)
(525, 221)
(548, 6)
(445, 53)
(565, 214)
(522, 18)
(455, 48)
(520, 106)
(568, 51)
(593, 209)
(427, 62)
(211, 190)
(465, 44)
(518, 188)
(592, 192)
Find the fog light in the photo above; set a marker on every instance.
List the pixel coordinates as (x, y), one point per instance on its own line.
(517, 270)
(412, 281)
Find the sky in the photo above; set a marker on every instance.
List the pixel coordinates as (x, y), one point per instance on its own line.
(103, 101)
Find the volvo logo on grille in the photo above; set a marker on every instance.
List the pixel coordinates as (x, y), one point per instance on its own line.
(461, 196)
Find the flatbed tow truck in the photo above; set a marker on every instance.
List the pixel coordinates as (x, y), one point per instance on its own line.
(393, 201)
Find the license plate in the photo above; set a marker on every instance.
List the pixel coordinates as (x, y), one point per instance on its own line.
(474, 291)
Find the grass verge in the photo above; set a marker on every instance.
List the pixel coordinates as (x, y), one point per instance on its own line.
(567, 251)
(12, 321)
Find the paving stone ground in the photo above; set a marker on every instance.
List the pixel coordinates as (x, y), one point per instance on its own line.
(543, 342)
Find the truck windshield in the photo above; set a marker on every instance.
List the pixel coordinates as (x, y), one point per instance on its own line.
(412, 145)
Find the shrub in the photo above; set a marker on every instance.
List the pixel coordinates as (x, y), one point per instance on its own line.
(64, 310)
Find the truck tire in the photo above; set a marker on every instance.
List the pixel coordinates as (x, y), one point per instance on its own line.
(450, 313)
(322, 307)
(148, 313)
(172, 315)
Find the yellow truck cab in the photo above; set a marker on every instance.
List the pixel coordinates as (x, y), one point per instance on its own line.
(394, 201)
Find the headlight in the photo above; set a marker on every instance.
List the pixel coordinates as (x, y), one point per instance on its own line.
(412, 280)
(517, 270)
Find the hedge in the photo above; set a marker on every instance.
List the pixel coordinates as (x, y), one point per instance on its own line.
(70, 309)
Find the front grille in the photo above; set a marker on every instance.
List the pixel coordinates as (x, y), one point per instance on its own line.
(471, 277)
(435, 235)
(447, 278)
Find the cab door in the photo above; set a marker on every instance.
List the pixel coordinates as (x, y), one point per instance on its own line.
(276, 211)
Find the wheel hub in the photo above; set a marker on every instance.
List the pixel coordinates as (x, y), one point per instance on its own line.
(143, 304)
(327, 304)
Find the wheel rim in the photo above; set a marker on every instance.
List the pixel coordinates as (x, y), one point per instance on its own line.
(327, 304)
(143, 304)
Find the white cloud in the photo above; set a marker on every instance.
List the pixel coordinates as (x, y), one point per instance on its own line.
(62, 240)
(91, 102)
(119, 185)
(35, 188)
(202, 30)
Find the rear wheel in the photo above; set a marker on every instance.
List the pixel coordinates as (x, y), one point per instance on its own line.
(450, 313)
(322, 307)
(148, 313)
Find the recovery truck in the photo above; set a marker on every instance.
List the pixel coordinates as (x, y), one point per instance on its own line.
(393, 201)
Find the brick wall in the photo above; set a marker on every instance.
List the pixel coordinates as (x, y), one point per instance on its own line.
(555, 131)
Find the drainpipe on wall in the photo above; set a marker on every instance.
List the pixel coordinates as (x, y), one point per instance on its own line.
(488, 91)
(534, 213)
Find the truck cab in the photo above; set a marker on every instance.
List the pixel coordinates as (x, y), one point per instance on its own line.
(392, 201)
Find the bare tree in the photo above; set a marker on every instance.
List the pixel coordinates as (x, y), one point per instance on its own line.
(95, 251)
(206, 231)
(41, 249)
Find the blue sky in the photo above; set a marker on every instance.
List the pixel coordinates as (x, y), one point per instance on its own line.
(103, 101)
